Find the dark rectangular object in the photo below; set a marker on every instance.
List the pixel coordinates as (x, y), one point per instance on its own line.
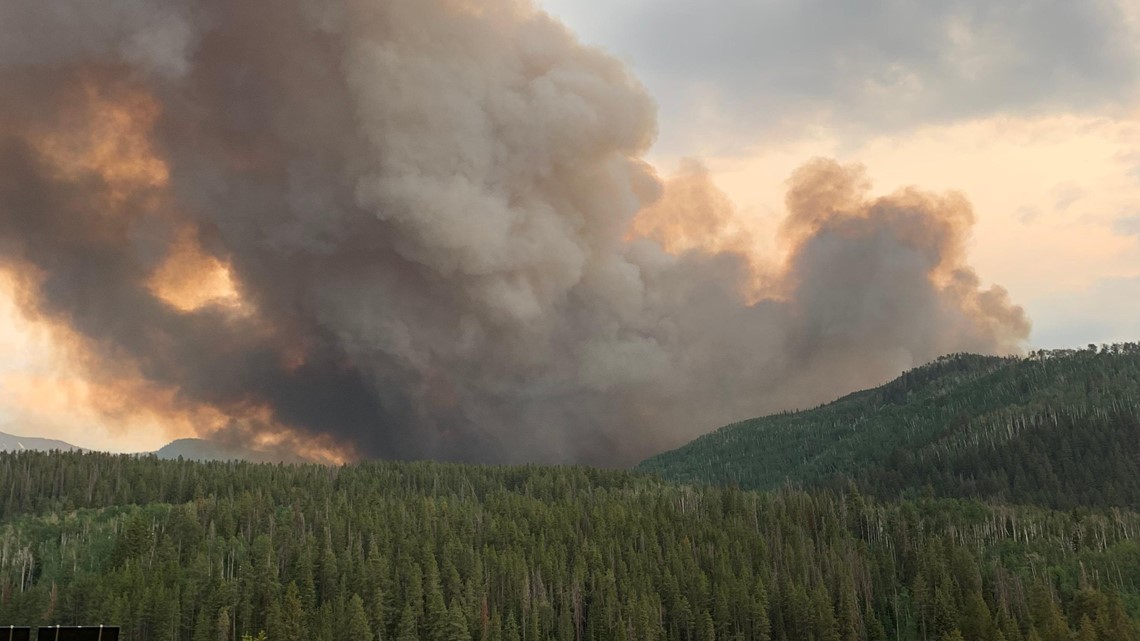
(77, 633)
(12, 633)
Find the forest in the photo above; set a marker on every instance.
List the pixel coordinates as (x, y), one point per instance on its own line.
(438, 552)
(1058, 428)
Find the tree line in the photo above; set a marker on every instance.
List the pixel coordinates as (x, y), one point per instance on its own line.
(433, 552)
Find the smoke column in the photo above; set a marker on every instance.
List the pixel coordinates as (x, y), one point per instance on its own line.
(423, 228)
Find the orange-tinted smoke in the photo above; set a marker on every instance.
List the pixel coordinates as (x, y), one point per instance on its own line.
(61, 385)
(105, 135)
(822, 194)
(694, 215)
(190, 279)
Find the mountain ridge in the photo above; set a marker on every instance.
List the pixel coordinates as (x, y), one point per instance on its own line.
(200, 449)
(192, 449)
(965, 425)
(15, 443)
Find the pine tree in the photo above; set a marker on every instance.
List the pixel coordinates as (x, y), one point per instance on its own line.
(511, 629)
(457, 629)
(945, 619)
(1086, 631)
(706, 630)
(494, 628)
(875, 629)
(287, 621)
(435, 608)
(827, 628)
(223, 625)
(357, 626)
(976, 622)
(406, 629)
(761, 625)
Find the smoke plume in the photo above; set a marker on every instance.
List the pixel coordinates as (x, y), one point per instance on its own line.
(422, 228)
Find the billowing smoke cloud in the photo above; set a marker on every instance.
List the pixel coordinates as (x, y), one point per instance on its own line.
(412, 228)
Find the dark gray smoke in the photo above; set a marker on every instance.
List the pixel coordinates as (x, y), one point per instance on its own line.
(423, 206)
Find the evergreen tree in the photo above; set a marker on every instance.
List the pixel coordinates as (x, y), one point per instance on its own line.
(406, 630)
(357, 626)
(457, 629)
(223, 625)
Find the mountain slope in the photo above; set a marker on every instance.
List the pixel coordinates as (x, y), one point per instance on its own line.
(13, 443)
(191, 449)
(1059, 428)
(198, 449)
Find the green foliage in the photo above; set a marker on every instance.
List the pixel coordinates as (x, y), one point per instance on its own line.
(173, 550)
(1057, 429)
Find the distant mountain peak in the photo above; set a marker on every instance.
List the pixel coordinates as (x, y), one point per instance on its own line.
(199, 449)
(193, 449)
(16, 443)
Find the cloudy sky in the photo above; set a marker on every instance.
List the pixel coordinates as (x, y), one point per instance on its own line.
(1030, 108)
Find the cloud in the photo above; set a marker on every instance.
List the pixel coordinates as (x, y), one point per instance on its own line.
(1128, 225)
(769, 67)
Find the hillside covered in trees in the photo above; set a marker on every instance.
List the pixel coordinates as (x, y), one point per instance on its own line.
(432, 552)
(1058, 429)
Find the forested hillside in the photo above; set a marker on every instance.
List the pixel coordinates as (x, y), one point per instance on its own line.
(1058, 429)
(431, 552)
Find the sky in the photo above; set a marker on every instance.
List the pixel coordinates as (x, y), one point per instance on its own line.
(457, 182)
(1031, 109)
